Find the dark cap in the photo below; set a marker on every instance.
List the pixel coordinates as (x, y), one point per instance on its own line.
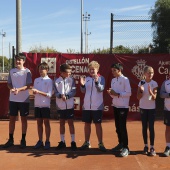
(117, 66)
(20, 56)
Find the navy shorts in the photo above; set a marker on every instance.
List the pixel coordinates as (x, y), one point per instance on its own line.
(167, 118)
(42, 112)
(66, 114)
(15, 107)
(92, 115)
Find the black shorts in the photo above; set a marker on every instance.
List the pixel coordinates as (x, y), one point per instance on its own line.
(42, 112)
(92, 115)
(167, 118)
(22, 107)
(66, 114)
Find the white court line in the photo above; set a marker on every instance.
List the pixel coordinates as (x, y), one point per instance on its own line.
(140, 164)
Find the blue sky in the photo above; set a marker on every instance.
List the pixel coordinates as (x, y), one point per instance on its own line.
(56, 23)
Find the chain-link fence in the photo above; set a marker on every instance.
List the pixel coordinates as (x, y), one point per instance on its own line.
(133, 34)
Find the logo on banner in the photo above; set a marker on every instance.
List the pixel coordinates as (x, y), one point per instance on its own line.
(52, 64)
(137, 70)
(79, 67)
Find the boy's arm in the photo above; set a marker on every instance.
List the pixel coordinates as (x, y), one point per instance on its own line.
(139, 93)
(72, 93)
(10, 86)
(163, 93)
(49, 93)
(57, 94)
(127, 92)
(82, 84)
(100, 85)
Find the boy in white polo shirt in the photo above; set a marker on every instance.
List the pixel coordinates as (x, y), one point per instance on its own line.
(19, 81)
(120, 92)
(65, 91)
(42, 91)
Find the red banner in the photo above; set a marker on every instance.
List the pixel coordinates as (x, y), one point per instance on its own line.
(4, 97)
(133, 68)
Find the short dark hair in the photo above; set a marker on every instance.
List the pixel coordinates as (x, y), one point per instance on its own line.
(43, 65)
(64, 67)
(20, 56)
(117, 66)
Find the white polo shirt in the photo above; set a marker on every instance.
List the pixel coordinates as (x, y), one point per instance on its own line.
(44, 84)
(122, 86)
(146, 102)
(19, 78)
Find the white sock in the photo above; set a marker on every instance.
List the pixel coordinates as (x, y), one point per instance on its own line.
(62, 136)
(72, 137)
(168, 144)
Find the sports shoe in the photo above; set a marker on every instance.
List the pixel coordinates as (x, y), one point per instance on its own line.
(9, 143)
(47, 145)
(101, 147)
(23, 144)
(86, 145)
(145, 150)
(61, 145)
(73, 146)
(38, 145)
(125, 152)
(119, 147)
(152, 152)
(167, 151)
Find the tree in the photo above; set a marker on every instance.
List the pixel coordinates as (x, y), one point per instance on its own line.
(121, 49)
(118, 49)
(41, 49)
(160, 16)
(7, 64)
(101, 51)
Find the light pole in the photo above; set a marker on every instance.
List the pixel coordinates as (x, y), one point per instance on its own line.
(81, 48)
(86, 18)
(3, 35)
(87, 41)
(18, 27)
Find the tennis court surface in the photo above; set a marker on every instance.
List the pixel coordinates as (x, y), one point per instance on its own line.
(15, 158)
